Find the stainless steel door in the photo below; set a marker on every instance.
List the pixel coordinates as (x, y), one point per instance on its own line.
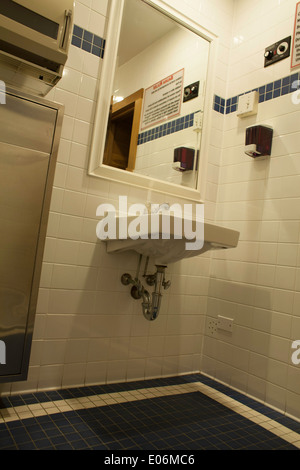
(27, 131)
(23, 175)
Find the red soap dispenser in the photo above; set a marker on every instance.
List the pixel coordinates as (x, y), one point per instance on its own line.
(258, 141)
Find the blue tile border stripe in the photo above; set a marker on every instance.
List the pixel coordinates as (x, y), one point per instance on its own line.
(168, 128)
(88, 41)
(270, 91)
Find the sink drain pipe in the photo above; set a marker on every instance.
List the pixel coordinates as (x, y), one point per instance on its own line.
(150, 303)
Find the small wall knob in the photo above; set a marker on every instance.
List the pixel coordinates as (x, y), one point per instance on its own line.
(269, 54)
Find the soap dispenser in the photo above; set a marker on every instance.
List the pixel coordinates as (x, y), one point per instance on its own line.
(258, 143)
(183, 159)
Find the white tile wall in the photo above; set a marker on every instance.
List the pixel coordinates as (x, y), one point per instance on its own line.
(88, 329)
(261, 199)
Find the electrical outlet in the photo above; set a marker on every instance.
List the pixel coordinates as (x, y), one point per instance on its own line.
(198, 121)
(212, 326)
(225, 323)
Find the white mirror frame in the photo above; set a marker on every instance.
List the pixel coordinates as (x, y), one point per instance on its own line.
(96, 168)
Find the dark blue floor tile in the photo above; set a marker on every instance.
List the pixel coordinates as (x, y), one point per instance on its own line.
(191, 421)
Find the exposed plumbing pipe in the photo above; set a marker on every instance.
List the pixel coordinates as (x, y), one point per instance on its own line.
(150, 303)
(151, 309)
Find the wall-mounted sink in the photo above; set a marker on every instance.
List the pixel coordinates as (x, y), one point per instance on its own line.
(166, 237)
(168, 242)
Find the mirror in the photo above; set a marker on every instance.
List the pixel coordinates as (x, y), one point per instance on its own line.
(152, 115)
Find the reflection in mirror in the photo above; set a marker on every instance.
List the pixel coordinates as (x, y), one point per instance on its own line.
(155, 120)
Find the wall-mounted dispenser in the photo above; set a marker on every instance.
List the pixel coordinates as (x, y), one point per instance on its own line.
(35, 38)
(184, 159)
(258, 141)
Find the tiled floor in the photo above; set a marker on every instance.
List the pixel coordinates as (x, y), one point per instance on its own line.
(189, 412)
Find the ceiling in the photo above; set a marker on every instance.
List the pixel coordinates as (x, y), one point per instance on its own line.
(141, 26)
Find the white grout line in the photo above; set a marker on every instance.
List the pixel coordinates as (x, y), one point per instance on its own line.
(254, 416)
(93, 401)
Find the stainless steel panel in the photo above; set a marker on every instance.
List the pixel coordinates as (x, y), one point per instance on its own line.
(27, 124)
(29, 135)
(23, 175)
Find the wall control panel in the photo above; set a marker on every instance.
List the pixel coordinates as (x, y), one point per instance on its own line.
(278, 51)
(191, 91)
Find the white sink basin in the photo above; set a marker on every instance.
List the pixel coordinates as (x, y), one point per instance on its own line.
(169, 250)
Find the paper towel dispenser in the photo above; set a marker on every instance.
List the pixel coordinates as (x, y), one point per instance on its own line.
(258, 142)
(34, 41)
